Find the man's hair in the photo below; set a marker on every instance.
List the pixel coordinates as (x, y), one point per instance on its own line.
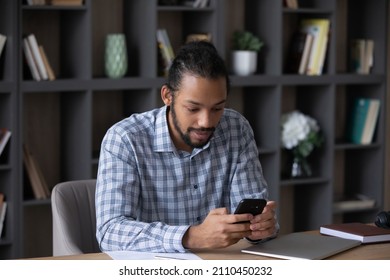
(200, 59)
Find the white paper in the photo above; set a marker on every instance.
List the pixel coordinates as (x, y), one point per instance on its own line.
(137, 255)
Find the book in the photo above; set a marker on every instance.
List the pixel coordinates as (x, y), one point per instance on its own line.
(303, 246)
(362, 56)
(5, 135)
(292, 4)
(66, 2)
(36, 2)
(30, 60)
(299, 53)
(49, 69)
(33, 43)
(371, 120)
(3, 39)
(363, 120)
(319, 28)
(356, 202)
(357, 231)
(38, 183)
(3, 210)
(369, 55)
(165, 48)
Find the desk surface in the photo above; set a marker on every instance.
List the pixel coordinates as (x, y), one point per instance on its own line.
(379, 251)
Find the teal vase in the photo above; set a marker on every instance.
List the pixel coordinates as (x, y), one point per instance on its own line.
(115, 57)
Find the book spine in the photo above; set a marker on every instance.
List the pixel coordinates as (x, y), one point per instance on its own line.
(371, 120)
(37, 56)
(30, 60)
(358, 120)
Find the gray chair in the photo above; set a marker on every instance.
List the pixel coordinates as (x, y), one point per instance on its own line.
(74, 219)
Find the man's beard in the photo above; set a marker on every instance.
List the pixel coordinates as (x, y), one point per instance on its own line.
(186, 136)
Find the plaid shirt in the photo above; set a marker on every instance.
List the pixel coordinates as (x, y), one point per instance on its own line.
(148, 192)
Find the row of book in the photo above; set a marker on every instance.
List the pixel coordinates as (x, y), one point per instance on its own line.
(309, 47)
(166, 50)
(362, 55)
(37, 60)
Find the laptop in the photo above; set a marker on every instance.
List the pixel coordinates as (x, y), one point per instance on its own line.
(300, 245)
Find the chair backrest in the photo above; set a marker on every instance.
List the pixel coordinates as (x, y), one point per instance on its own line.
(74, 218)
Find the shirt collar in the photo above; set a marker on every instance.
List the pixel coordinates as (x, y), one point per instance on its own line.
(162, 140)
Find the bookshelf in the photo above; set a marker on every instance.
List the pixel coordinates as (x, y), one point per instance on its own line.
(63, 121)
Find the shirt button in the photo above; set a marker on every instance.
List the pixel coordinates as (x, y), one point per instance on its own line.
(195, 187)
(198, 219)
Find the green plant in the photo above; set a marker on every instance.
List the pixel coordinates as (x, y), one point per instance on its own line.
(245, 40)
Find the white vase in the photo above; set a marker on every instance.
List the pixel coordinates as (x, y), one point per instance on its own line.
(244, 63)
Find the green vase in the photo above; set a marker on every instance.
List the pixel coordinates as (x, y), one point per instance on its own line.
(115, 56)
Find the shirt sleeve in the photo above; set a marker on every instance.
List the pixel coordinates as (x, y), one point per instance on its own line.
(117, 204)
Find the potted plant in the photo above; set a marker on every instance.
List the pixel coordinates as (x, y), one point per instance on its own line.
(244, 55)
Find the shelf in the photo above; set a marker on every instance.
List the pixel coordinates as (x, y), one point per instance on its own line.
(64, 121)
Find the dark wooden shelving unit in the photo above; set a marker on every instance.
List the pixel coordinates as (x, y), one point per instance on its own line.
(63, 121)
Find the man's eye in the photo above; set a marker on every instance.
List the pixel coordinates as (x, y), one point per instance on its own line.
(192, 109)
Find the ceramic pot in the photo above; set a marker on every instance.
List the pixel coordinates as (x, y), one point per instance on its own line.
(244, 63)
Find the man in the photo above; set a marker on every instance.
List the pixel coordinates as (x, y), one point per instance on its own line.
(169, 179)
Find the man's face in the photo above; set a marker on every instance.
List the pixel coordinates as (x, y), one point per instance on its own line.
(195, 111)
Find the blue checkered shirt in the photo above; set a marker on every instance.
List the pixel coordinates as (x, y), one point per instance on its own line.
(148, 192)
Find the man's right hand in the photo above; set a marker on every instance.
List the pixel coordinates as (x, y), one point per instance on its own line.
(218, 230)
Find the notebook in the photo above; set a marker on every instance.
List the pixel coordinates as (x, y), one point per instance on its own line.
(302, 245)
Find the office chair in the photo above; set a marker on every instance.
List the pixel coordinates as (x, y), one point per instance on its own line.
(74, 219)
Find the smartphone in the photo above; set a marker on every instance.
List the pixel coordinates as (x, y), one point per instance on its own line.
(253, 206)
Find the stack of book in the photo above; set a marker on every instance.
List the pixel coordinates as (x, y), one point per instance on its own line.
(309, 47)
(37, 60)
(363, 120)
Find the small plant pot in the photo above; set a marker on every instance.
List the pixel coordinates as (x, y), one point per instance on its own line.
(244, 63)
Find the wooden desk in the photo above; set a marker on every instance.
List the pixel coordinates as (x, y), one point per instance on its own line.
(380, 251)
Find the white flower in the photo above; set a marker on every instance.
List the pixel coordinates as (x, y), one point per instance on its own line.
(296, 127)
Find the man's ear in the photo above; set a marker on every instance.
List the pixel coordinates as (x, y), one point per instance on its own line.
(166, 95)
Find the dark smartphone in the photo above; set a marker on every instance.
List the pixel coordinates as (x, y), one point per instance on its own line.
(253, 206)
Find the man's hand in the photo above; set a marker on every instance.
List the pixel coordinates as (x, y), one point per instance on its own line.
(218, 230)
(264, 224)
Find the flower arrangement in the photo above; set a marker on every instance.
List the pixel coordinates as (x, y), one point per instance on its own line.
(300, 133)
